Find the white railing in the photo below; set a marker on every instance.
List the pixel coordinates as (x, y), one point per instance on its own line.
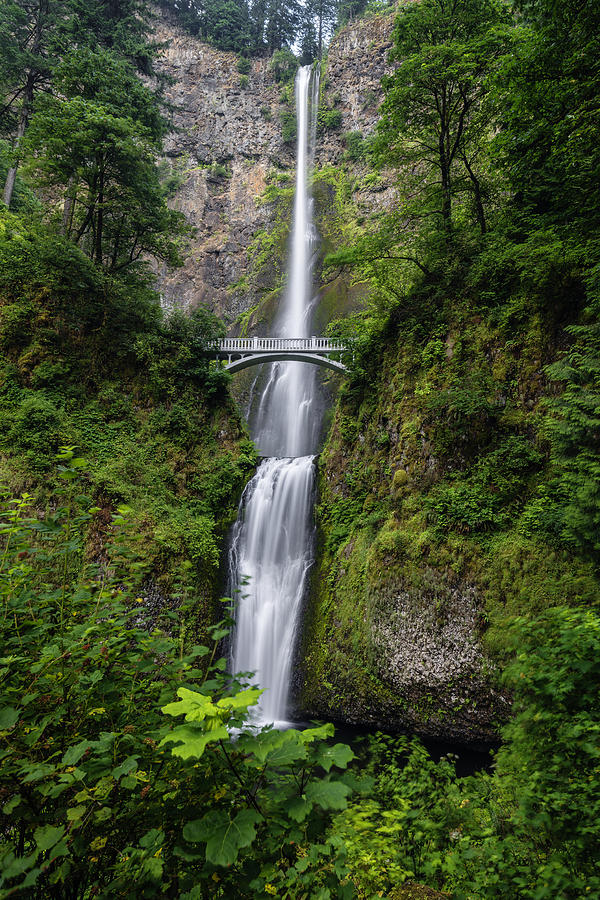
(262, 344)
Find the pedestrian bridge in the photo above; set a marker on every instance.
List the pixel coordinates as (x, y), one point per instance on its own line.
(240, 353)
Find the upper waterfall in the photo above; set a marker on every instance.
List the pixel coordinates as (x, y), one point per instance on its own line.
(285, 424)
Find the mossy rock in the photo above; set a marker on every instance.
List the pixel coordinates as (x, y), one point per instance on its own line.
(415, 892)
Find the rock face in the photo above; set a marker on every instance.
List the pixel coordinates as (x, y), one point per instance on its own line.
(227, 137)
(356, 63)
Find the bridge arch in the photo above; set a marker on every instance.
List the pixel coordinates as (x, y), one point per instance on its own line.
(241, 353)
(256, 359)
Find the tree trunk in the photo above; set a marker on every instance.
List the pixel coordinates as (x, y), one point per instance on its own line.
(477, 193)
(321, 31)
(100, 217)
(445, 163)
(69, 208)
(11, 177)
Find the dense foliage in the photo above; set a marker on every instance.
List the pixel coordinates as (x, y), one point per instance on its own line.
(102, 794)
(259, 27)
(464, 451)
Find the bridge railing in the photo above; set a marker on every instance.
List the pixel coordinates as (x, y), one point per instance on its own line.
(261, 344)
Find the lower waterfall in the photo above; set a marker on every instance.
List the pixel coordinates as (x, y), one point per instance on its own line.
(271, 545)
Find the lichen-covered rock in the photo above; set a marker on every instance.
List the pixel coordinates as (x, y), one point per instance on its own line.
(398, 648)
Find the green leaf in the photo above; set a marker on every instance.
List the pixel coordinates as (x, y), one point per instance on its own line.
(224, 837)
(278, 748)
(194, 705)
(72, 756)
(317, 734)
(11, 804)
(328, 794)
(48, 836)
(339, 755)
(76, 813)
(129, 765)
(298, 808)
(9, 716)
(242, 700)
(192, 741)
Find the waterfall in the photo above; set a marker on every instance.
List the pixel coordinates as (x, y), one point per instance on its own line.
(271, 545)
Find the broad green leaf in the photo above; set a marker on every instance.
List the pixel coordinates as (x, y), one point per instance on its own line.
(48, 836)
(224, 837)
(277, 748)
(76, 813)
(328, 794)
(298, 808)
(129, 765)
(242, 700)
(9, 716)
(36, 773)
(321, 733)
(192, 741)
(339, 755)
(193, 705)
(11, 804)
(72, 756)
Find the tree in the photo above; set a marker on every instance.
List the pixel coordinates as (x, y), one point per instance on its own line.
(28, 41)
(550, 139)
(36, 36)
(319, 16)
(281, 23)
(98, 138)
(434, 116)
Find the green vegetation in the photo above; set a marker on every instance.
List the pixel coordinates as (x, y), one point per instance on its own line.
(458, 504)
(259, 27)
(88, 358)
(527, 830)
(460, 474)
(126, 767)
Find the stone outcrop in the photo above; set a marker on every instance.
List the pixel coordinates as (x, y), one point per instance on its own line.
(356, 63)
(226, 138)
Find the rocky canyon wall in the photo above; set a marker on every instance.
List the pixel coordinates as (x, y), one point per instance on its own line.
(227, 143)
(227, 137)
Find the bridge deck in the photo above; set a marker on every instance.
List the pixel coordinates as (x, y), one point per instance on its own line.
(240, 353)
(262, 344)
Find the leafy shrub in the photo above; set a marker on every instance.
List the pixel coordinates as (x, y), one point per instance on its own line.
(356, 145)
(289, 128)
(340, 517)
(531, 829)
(283, 65)
(244, 64)
(15, 324)
(103, 794)
(461, 418)
(496, 486)
(243, 82)
(330, 119)
(36, 425)
(218, 170)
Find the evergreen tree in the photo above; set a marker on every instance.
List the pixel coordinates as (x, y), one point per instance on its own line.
(28, 52)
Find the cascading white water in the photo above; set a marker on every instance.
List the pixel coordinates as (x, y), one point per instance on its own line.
(271, 548)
